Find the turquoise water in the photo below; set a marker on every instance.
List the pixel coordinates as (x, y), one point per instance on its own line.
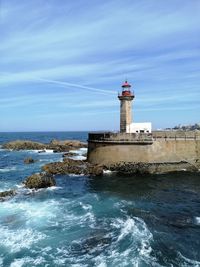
(88, 221)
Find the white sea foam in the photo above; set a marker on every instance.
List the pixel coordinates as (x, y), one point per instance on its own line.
(52, 188)
(15, 240)
(128, 227)
(76, 175)
(39, 261)
(197, 220)
(3, 149)
(107, 172)
(102, 264)
(40, 151)
(188, 262)
(8, 169)
(86, 206)
(33, 212)
(79, 157)
(78, 154)
(136, 231)
(48, 151)
(79, 151)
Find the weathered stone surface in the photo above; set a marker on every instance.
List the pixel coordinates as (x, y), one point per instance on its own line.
(39, 180)
(170, 148)
(23, 145)
(8, 193)
(151, 168)
(70, 166)
(29, 160)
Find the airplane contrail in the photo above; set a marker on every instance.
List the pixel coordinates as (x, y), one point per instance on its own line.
(77, 86)
(88, 88)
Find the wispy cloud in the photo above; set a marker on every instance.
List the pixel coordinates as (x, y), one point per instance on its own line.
(71, 57)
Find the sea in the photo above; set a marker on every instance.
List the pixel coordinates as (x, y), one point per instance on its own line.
(109, 221)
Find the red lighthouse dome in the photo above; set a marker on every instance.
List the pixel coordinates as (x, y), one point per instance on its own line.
(126, 85)
(126, 89)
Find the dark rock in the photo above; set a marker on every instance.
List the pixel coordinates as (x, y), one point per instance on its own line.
(99, 242)
(66, 145)
(39, 180)
(42, 151)
(23, 145)
(144, 168)
(69, 154)
(8, 193)
(70, 166)
(55, 145)
(130, 167)
(29, 160)
(94, 170)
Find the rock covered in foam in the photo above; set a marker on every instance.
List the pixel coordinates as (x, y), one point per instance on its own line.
(8, 193)
(40, 180)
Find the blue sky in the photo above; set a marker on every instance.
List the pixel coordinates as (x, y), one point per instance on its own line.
(62, 63)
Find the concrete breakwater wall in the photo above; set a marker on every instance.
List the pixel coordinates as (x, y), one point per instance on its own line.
(160, 150)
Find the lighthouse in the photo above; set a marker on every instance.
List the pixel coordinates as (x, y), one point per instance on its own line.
(126, 97)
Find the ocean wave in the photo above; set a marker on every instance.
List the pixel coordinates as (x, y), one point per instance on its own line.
(79, 151)
(16, 240)
(33, 212)
(39, 261)
(185, 262)
(3, 149)
(79, 157)
(8, 169)
(41, 152)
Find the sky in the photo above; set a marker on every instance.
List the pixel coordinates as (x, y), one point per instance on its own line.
(62, 63)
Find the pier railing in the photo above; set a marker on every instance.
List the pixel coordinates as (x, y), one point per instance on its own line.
(143, 138)
(176, 135)
(121, 137)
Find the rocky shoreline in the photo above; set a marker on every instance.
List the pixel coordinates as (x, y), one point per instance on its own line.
(55, 145)
(69, 166)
